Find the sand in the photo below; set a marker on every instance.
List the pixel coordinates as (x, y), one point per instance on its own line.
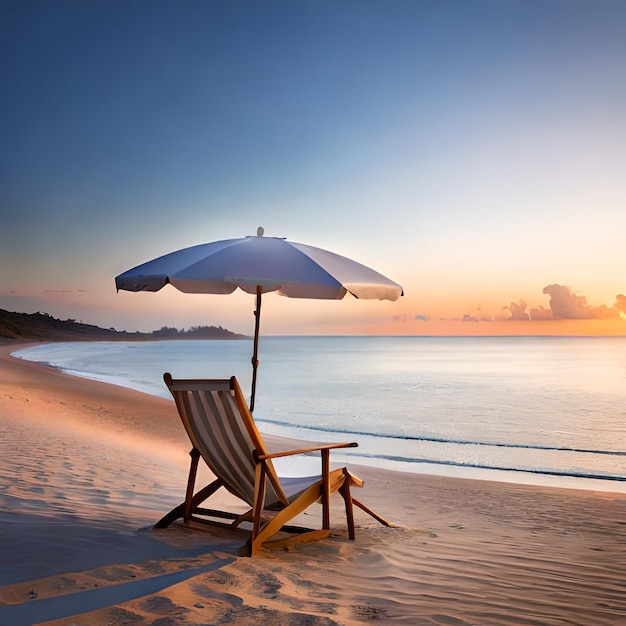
(87, 468)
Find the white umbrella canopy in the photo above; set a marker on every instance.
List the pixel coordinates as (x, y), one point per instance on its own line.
(259, 265)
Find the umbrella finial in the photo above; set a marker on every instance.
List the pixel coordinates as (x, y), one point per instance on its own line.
(259, 231)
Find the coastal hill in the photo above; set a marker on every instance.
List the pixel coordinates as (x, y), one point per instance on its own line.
(44, 327)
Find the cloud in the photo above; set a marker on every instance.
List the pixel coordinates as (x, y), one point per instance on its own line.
(403, 318)
(518, 311)
(566, 305)
(540, 314)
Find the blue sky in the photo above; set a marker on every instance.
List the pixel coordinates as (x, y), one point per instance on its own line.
(473, 151)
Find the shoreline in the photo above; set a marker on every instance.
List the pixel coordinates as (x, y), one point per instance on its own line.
(88, 467)
(532, 477)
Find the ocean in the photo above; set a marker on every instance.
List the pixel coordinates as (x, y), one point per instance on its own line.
(536, 410)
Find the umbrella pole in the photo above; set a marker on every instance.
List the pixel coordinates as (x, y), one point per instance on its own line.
(255, 353)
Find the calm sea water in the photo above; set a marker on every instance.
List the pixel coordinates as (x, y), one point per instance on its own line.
(538, 410)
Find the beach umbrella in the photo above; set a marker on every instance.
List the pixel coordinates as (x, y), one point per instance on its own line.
(258, 265)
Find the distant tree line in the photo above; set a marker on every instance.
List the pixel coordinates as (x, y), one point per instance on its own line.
(43, 326)
(195, 332)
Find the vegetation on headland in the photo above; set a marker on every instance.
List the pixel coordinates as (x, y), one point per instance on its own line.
(44, 327)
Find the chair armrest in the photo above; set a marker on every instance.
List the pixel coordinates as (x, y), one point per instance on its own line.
(318, 448)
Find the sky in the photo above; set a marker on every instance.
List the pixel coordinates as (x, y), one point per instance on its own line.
(473, 151)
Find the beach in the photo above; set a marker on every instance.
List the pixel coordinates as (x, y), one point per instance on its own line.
(87, 468)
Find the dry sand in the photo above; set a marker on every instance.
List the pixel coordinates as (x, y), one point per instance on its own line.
(86, 469)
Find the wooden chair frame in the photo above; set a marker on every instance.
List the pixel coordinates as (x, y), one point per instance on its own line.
(266, 519)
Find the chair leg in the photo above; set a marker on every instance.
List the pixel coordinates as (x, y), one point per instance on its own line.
(375, 515)
(171, 517)
(198, 499)
(191, 481)
(326, 489)
(344, 490)
(259, 498)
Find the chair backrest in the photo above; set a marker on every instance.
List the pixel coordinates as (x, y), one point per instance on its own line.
(222, 429)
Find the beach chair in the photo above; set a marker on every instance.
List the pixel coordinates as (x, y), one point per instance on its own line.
(223, 433)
